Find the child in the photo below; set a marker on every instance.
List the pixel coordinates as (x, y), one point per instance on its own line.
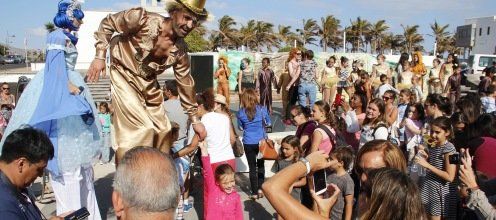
(488, 101)
(290, 153)
(438, 190)
(341, 159)
(223, 202)
(417, 88)
(413, 122)
(385, 86)
(104, 117)
(405, 78)
(403, 102)
(452, 88)
(344, 77)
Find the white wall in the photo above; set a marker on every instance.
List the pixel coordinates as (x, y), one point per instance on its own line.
(484, 44)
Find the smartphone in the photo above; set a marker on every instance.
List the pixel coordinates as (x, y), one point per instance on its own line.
(320, 181)
(82, 213)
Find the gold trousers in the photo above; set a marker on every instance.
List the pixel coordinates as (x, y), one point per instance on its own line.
(139, 116)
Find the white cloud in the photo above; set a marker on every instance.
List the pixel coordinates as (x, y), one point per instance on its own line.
(38, 31)
(119, 6)
(216, 5)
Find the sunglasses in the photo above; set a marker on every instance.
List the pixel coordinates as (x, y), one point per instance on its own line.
(298, 53)
(5, 88)
(385, 98)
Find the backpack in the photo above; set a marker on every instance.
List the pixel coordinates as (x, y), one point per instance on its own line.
(337, 139)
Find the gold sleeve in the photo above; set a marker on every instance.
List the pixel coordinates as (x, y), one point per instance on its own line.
(124, 22)
(186, 86)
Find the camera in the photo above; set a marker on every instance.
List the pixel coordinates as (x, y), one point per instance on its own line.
(455, 159)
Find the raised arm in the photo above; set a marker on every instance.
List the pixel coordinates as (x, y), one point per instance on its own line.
(277, 189)
(124, 22)
(186, 89)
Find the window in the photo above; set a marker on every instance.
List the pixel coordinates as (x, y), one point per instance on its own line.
(480, 31)
(486, 61)
(488, 30)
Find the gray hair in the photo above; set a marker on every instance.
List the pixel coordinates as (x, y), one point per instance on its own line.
(147, 180)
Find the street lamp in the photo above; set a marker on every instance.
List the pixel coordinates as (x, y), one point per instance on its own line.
(7, 41)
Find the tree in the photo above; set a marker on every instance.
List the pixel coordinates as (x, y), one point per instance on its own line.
(196, 42)
(391, 42)
(412, 37)
(441, 34)
(227, 33)
(49, 26)
(258, 34)
(329, 32)
(357, 32)
(376, 33)
(286, 35)
(308, 33)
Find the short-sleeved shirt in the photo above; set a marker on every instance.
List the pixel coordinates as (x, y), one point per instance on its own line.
(306, 129)
(175, 112)
(308, 71)
(488, 104)
(347, 186)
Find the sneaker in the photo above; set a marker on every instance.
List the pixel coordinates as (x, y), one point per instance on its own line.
(187, 207)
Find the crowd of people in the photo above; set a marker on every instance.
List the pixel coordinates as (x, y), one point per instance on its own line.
(396, 142)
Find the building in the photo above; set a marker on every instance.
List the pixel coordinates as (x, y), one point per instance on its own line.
(478, 35)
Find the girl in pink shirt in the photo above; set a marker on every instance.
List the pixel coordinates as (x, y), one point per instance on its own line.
(321, 112)
(223, 202)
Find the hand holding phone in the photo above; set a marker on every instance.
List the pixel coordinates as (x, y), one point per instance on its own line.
(80, 214)
(320, 181)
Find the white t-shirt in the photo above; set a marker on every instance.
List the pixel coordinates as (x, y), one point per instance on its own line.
(218, 137)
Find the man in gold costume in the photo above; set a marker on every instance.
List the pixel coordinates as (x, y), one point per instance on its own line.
(146, 45)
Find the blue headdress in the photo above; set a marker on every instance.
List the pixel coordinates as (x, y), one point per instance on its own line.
(68, 11)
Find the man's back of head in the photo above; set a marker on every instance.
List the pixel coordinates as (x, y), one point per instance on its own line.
(145, 185)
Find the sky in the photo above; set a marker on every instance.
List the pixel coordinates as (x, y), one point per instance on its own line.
(26, 18)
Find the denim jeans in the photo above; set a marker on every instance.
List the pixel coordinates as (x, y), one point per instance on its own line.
(307, 90)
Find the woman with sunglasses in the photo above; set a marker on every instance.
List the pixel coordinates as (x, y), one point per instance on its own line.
(391, 110)
(293, 65)
(301, 117)
(7, 99)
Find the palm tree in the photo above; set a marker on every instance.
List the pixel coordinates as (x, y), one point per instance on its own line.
(412, 37)
(376, 34)
(359, 28)
(392, 42)
(286, 35)
(49, 26)
(328, 31)
(308, 33)
(228, 34)
(265, 36)
(440, 33)
(247, 33)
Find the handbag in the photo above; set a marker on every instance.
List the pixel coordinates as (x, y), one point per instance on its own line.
(266, 148)
(237, 147)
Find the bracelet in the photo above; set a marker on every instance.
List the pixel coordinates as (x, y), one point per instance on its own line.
(99, 58)
(307, 164)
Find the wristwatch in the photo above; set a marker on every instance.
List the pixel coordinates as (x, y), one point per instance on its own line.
(307, 164)
(471, 190)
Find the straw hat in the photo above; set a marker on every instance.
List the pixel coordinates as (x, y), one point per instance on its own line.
(196, 6)
(220, 99)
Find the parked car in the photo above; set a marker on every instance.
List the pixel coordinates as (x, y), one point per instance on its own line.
(13, 59)
(477, 62)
